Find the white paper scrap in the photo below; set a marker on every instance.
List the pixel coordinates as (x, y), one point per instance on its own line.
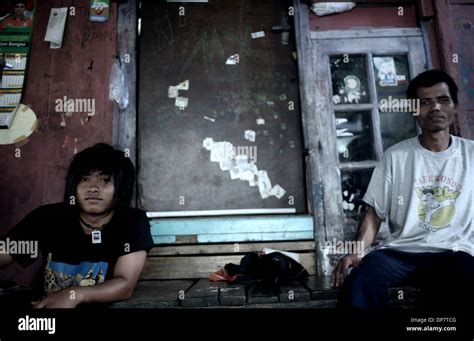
(244, 171)
(56, 24)
(259, 34)
(260, 121)
(343, 132)
(264, 184)
(209, 119)
(278, 191)
(293, 255)
(172, 91)
(249, 135)
(223, 153)
(181, 103)
(241, 166)
(232, 60)
(208, 143)
(183, 85)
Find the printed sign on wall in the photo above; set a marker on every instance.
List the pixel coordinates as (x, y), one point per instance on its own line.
(16, 24)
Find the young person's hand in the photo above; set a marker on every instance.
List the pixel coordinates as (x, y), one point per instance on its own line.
(348, 261)
(62, 299)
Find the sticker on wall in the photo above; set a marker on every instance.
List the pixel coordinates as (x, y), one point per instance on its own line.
(99, 10)
(23, 125)
(173, 92)
(386, 72)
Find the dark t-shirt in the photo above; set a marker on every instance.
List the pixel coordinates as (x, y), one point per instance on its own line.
(71, 259)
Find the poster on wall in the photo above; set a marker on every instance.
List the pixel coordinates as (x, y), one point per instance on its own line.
(16, 25)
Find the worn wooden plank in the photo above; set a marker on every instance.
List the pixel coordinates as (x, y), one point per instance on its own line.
(202, 294)
(325, 160)
(322, 304)
(373, 16)
(223, 225)
(294, 292)
(309, 121)
(320, 287)
(201, 266)
(125, 120)
(232, 248)
(367, 33)
(237, 238)
(156, 294)
(246, 237)
(262, 294)
(231, 294)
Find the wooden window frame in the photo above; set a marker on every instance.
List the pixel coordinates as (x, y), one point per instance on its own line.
(318, 113)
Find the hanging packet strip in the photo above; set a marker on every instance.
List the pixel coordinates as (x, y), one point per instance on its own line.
(56, 25)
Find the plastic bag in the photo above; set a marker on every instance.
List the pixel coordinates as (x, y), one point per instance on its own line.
(326, 8)
(118, 85)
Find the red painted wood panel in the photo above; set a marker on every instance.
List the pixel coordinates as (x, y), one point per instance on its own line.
(80, 69)
(358, 17)
(462, 17)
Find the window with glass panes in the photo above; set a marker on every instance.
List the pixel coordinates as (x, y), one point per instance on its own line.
(360, 82)
(364, 72)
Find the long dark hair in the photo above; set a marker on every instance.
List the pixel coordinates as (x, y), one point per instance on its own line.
(109, 161)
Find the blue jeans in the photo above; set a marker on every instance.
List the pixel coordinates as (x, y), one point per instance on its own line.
(446, 279)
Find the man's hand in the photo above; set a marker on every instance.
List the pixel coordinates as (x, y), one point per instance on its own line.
(65, 298)
(340, 271)
(366, 233)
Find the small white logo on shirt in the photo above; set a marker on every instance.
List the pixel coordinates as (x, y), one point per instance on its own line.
(37, 324)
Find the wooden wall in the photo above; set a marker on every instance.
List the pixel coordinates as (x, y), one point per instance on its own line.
(462, 19)
(362, 17)
(80, 69)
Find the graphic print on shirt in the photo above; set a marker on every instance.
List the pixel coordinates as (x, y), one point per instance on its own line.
(58, 276)
(437, 201)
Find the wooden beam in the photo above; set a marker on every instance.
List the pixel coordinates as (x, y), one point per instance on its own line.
(232, 294)
(156, 294)
(310, 131)
(293, 292)
(125, 120)
(232, 248)
(367, 33)
(321, 289)
(238, 229)
(201, 266)
(259, 294)
(202, 294)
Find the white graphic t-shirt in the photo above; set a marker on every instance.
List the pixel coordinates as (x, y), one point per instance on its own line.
(427, 197)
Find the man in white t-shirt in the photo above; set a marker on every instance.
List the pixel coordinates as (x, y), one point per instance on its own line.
(424, 188)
